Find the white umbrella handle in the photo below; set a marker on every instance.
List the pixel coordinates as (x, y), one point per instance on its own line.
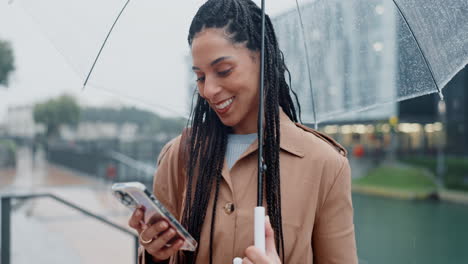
(259, 231)
(259, 228)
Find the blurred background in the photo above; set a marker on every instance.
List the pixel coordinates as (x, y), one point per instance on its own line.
(409, 158)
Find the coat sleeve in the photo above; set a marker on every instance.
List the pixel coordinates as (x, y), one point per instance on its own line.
(333, 238)
(166, 187)
(167, 182)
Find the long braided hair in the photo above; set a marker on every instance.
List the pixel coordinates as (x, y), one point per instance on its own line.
(241, 20)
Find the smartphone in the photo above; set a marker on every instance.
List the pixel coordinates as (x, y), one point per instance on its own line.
(134, 194)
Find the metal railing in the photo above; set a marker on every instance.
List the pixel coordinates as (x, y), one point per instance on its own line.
(6, 207)
(97, 164)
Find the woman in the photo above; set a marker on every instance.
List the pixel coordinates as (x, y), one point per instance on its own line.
(212, 189)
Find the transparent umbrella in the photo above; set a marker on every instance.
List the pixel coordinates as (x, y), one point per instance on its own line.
(344, 56)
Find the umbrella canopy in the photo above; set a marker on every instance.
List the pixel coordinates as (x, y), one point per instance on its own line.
(344, 56)
(354, 55)
(146, 58)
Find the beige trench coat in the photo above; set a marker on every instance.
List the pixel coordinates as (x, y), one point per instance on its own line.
(316, 200)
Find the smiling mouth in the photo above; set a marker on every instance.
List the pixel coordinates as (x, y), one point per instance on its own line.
(225, 104)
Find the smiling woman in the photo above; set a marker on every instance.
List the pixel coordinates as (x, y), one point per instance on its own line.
(206, 177)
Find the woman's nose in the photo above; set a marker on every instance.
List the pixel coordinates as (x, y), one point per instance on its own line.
(211, 89)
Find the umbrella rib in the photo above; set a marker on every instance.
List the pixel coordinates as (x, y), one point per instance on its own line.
(308, 65)
(261, 110)
(420, 50)
(104, 44)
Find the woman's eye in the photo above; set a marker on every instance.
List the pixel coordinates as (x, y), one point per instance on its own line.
(224, 73)
(200, 79)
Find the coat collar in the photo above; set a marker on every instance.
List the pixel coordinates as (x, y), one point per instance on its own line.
(290, 135)
(290, 142)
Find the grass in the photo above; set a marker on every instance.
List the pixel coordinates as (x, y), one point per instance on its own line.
(397, 180)
(456, 176)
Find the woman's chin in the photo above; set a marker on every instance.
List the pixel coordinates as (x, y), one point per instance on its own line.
(227, 121)
(227, 118)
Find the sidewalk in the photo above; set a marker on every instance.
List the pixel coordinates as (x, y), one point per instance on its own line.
(45, 231)
(454, 196)
(6, 177)
(34, 172)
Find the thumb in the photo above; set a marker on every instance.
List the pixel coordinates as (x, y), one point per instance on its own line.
(269, 237)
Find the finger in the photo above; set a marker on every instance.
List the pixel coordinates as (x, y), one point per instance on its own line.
(246, 261)
(152, 232)
(256, 256)
(136, 219)
(269, 238)
(160, 242)
(157, 228)
(167, 252)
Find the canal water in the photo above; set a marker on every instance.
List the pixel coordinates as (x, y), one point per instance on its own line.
(400, 231)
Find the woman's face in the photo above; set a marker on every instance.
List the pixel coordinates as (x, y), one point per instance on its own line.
(228, 79)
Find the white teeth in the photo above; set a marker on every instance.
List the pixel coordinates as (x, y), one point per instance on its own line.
(225, 104)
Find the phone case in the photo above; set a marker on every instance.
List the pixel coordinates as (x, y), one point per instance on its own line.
(133, 194)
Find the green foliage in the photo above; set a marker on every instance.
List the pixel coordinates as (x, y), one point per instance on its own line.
(7, 153)
(55, 112)
(6, 62)
(149, 122)
(399, 178)
(456, 175)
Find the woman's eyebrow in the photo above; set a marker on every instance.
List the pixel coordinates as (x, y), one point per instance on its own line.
(218, 60)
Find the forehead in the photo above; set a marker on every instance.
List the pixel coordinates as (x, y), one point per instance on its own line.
(210, 44)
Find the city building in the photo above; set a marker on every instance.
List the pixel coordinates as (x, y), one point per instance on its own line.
(99, 131)
(344, 42)
(20, 122)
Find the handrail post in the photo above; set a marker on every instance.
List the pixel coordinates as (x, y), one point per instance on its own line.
(137, 245)
(6, 220)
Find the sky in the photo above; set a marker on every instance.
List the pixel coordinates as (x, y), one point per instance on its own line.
(144, 64)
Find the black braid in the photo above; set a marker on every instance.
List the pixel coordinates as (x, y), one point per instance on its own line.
(273, 134)
(208, 135)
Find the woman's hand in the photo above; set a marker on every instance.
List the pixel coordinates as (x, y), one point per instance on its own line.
(254, 256)
(155, 237)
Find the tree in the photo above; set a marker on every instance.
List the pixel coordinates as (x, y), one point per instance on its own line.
(55, 112)
(149, 123)
(6, 62)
